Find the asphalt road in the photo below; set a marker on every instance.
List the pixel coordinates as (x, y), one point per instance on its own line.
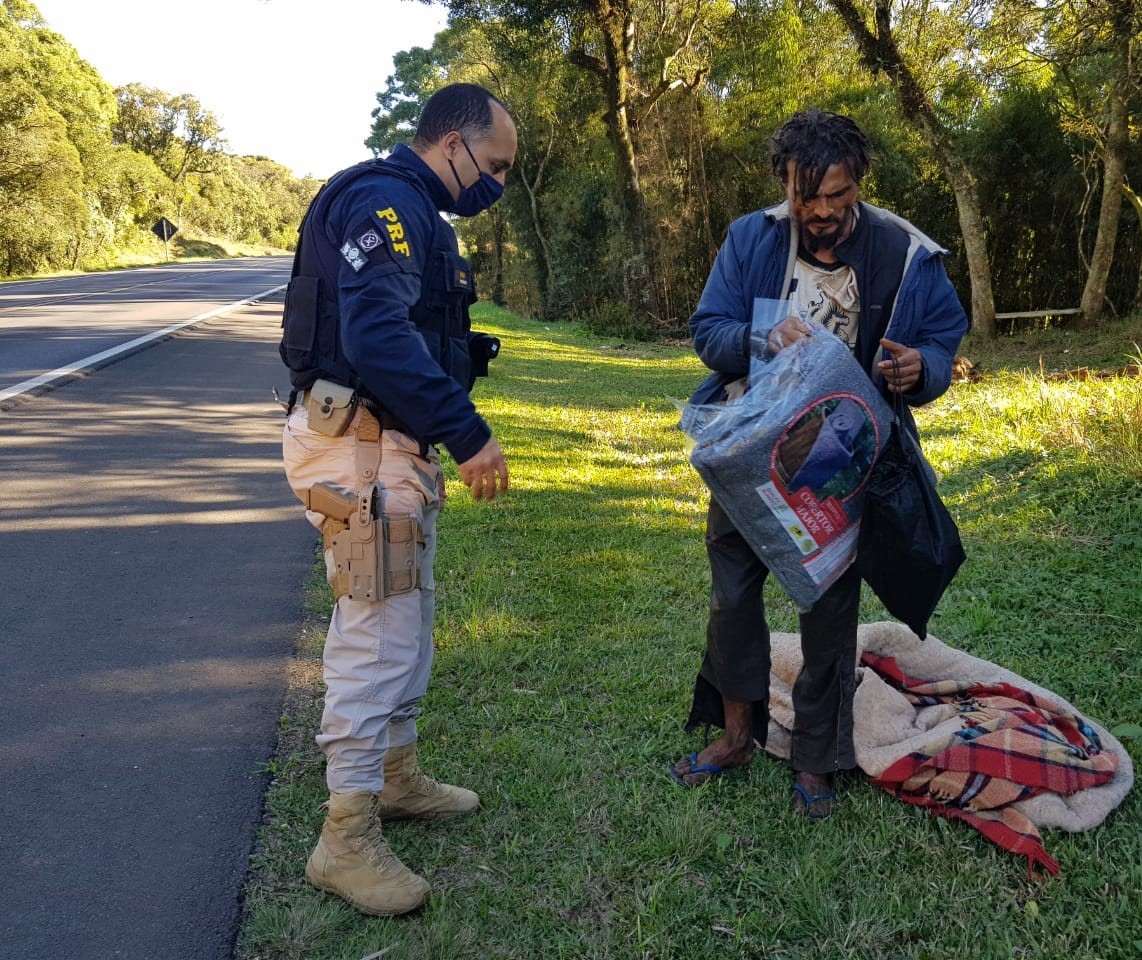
(48, 324)
(153, 560)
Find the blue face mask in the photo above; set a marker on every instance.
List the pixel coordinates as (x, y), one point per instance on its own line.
(480, 195)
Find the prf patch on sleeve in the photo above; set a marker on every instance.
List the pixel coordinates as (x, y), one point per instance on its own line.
(380, 240)
(391, 223)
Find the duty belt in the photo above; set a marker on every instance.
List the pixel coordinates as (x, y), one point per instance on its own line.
(371, 410)
(386, 420)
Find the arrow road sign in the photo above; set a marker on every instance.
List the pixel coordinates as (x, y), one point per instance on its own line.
(164, 229)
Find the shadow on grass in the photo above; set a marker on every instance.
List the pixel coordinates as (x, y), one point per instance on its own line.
(197, 248)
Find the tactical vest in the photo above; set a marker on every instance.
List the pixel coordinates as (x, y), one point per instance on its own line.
(311, 341)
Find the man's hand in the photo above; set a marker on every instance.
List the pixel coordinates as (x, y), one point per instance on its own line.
(485, 471)
(903, 371)
(786, 333)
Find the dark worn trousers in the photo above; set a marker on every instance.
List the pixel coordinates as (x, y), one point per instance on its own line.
(736, 665)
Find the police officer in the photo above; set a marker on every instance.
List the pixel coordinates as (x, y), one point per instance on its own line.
(378, 342)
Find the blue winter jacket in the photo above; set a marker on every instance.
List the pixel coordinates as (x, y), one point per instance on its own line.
(757, 260)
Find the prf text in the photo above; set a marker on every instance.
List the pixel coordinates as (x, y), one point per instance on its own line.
(396, 230)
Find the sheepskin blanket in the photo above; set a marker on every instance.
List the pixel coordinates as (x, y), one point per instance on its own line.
(967, 739)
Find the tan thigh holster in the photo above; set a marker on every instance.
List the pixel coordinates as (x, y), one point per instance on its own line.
(374, 555)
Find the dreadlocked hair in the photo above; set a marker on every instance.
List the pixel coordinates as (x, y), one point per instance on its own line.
(816, 140)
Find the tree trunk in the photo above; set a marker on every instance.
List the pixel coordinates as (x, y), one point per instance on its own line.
(542, 254)
(1114, 170)
(543, 247)
(615, 21)
(880, 52)
(498, 258)
(1136, 203)
(975, 243)
(698, 137)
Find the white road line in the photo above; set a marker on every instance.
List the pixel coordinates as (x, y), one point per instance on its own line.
(87, 362)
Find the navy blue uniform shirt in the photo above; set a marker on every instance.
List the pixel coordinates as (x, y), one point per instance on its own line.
(373, 249)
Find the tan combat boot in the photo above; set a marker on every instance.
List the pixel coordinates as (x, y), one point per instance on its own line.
(353, 860)
(409, 793)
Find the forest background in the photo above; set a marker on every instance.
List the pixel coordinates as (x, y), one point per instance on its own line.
(1005, 129)
(86, 169)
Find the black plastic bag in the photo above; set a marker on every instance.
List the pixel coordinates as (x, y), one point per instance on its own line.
(909, 548)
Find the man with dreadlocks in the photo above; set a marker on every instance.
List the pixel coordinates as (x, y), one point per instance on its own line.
(879, 284)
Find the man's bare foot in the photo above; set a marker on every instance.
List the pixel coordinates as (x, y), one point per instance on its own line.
(725, 752)
(813, 795)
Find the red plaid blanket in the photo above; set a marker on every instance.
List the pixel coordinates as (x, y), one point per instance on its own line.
(1010, 746)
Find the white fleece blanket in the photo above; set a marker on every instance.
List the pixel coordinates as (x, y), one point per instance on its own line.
(888, 727)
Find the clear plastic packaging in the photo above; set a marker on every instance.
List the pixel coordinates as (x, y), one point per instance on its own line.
(788, 460)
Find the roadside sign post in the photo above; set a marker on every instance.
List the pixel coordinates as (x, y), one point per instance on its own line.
(164, 230)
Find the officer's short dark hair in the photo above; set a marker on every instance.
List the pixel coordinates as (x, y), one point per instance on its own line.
(464, 107)
(816, 140)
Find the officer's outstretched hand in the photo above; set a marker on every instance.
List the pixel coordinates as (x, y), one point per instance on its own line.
(486, 471)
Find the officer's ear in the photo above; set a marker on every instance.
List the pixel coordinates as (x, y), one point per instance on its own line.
(451, 142)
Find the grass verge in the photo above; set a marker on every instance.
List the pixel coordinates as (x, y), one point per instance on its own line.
(569, 630)
(151, 253)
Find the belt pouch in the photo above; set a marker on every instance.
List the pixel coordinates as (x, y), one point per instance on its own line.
(401, 563)
(330, 407)
(299, 319)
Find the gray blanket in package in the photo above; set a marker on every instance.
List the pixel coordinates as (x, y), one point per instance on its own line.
(788, 460)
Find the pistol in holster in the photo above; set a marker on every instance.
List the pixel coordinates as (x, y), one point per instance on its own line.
(375, 555)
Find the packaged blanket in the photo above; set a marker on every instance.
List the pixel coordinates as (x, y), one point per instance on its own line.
(788, 460)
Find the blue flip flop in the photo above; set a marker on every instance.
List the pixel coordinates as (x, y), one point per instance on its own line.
(710, 769)
(810, 799)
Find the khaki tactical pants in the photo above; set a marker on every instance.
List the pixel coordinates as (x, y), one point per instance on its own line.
(378, 655)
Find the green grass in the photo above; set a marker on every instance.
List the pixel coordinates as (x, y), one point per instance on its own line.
(569, 630)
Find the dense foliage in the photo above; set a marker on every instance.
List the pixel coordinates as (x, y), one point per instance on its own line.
(643, 128)
(85, 170)
(1006, 130)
